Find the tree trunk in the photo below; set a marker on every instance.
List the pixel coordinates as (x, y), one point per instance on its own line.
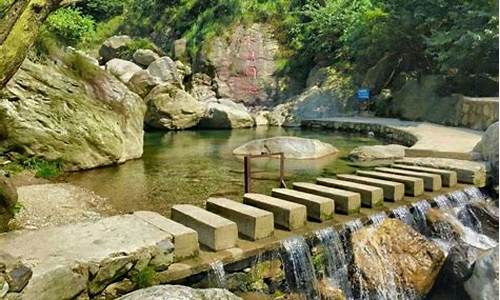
(20, 22)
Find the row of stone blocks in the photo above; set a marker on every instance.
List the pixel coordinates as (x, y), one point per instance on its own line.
(218, 226)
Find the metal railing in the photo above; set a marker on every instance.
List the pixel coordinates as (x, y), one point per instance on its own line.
(248, 169)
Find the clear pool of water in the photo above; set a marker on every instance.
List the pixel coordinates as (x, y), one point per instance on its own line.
(191, 166)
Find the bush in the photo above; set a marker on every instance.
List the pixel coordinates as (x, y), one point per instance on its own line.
(69, 26)
(102, 10)
(43, 168)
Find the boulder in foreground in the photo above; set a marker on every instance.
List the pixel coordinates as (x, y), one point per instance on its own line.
(394, 253)
(179, 292)
(292, 147)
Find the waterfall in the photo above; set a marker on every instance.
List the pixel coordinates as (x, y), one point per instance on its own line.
(403, 213)
(475, 193)
(458, 198)
(335, 262)
(299, 270)
(420, 208)
(442, 201)
(378, 218)
(217, 275)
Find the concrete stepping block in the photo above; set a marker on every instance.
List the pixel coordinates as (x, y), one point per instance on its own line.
(318, 208)
(449, 178)
(345, 202)
(215, 232)
(371, 196)
(413, 186)
(185, 239)
(287, 214)
(393, 191)
(432, 182)
(253, 223)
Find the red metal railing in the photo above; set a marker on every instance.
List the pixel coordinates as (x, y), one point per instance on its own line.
(248, 169)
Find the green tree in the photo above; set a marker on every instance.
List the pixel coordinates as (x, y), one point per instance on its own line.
(69, 25)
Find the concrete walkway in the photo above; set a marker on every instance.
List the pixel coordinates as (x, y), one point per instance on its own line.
(428, 139)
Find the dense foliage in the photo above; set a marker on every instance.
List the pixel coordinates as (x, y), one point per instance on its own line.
(456, 38)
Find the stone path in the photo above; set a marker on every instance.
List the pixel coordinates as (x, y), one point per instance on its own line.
(429, 140)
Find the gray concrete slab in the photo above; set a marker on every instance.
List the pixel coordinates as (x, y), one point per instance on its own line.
(185, 239)
(393, 191)
(253, 223)
(215, 232)
(413, 186)
(448, 177)
(318, 208)
(346, 202)
(432, 182)
(288, 215)
(371, 196)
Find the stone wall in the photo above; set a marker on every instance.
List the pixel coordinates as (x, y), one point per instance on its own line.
(477, 113)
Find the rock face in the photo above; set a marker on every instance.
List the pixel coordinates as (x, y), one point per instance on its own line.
(224, 113)
(483, 284)
(8, 200)
(179, 292)
(123, 69)
(244, 64)
(419, 100)
(394, 253)
(112, 47)
(377, 153)
(201, 87)
(165, 69)
(48, 111)
(145, 57)
(293, 147)
(171, 108)
(142, 82)
(488, 147)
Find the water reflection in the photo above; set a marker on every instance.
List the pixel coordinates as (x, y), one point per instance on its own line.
(190, 166)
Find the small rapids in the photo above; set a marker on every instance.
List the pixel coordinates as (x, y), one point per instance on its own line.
(299, 270)
(420, 209)
(217, 275)
(378, 218)
(403, 214)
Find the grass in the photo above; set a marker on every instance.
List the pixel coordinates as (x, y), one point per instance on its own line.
(144, 278)
(44, 168)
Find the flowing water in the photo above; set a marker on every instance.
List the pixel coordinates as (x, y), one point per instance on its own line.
(420, 208)
(299, 269)
(403, 214)
(334, 260)
(217, 275)
(442, 201)
(191, 166)
(378, 218)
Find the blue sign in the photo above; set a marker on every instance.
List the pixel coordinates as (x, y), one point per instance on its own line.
(363, 94)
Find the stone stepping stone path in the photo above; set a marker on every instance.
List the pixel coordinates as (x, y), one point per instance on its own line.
(371, 196)
(393, 191)
(413, 186)
(432, 182)
(253, 223)
(449, 178)
(346, 202)
(318, 208)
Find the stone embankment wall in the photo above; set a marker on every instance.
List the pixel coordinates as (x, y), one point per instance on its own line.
(477, 113)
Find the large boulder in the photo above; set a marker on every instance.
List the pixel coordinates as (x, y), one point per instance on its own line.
(113, 46)
(201, 87)
(395, 256)
(488, 147)
(483, 284)
(145, 57)
(179, 292)
(142, 82)
(123, 69)
(8, 201)
(382, 153)
(330, 94)
(244, 64)
(225, 114)
(171, 108)
(292, 147)
(48, 111)
(165, 69)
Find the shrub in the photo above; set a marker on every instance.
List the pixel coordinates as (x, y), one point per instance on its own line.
(43, 168)
(69, 26)
(102, 10)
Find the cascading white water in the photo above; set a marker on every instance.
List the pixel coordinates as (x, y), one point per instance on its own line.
(299, 270)
(335, 262)
(378, 218)
(404, 215)
(217, 275)
(442, 201)
(420, 208)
